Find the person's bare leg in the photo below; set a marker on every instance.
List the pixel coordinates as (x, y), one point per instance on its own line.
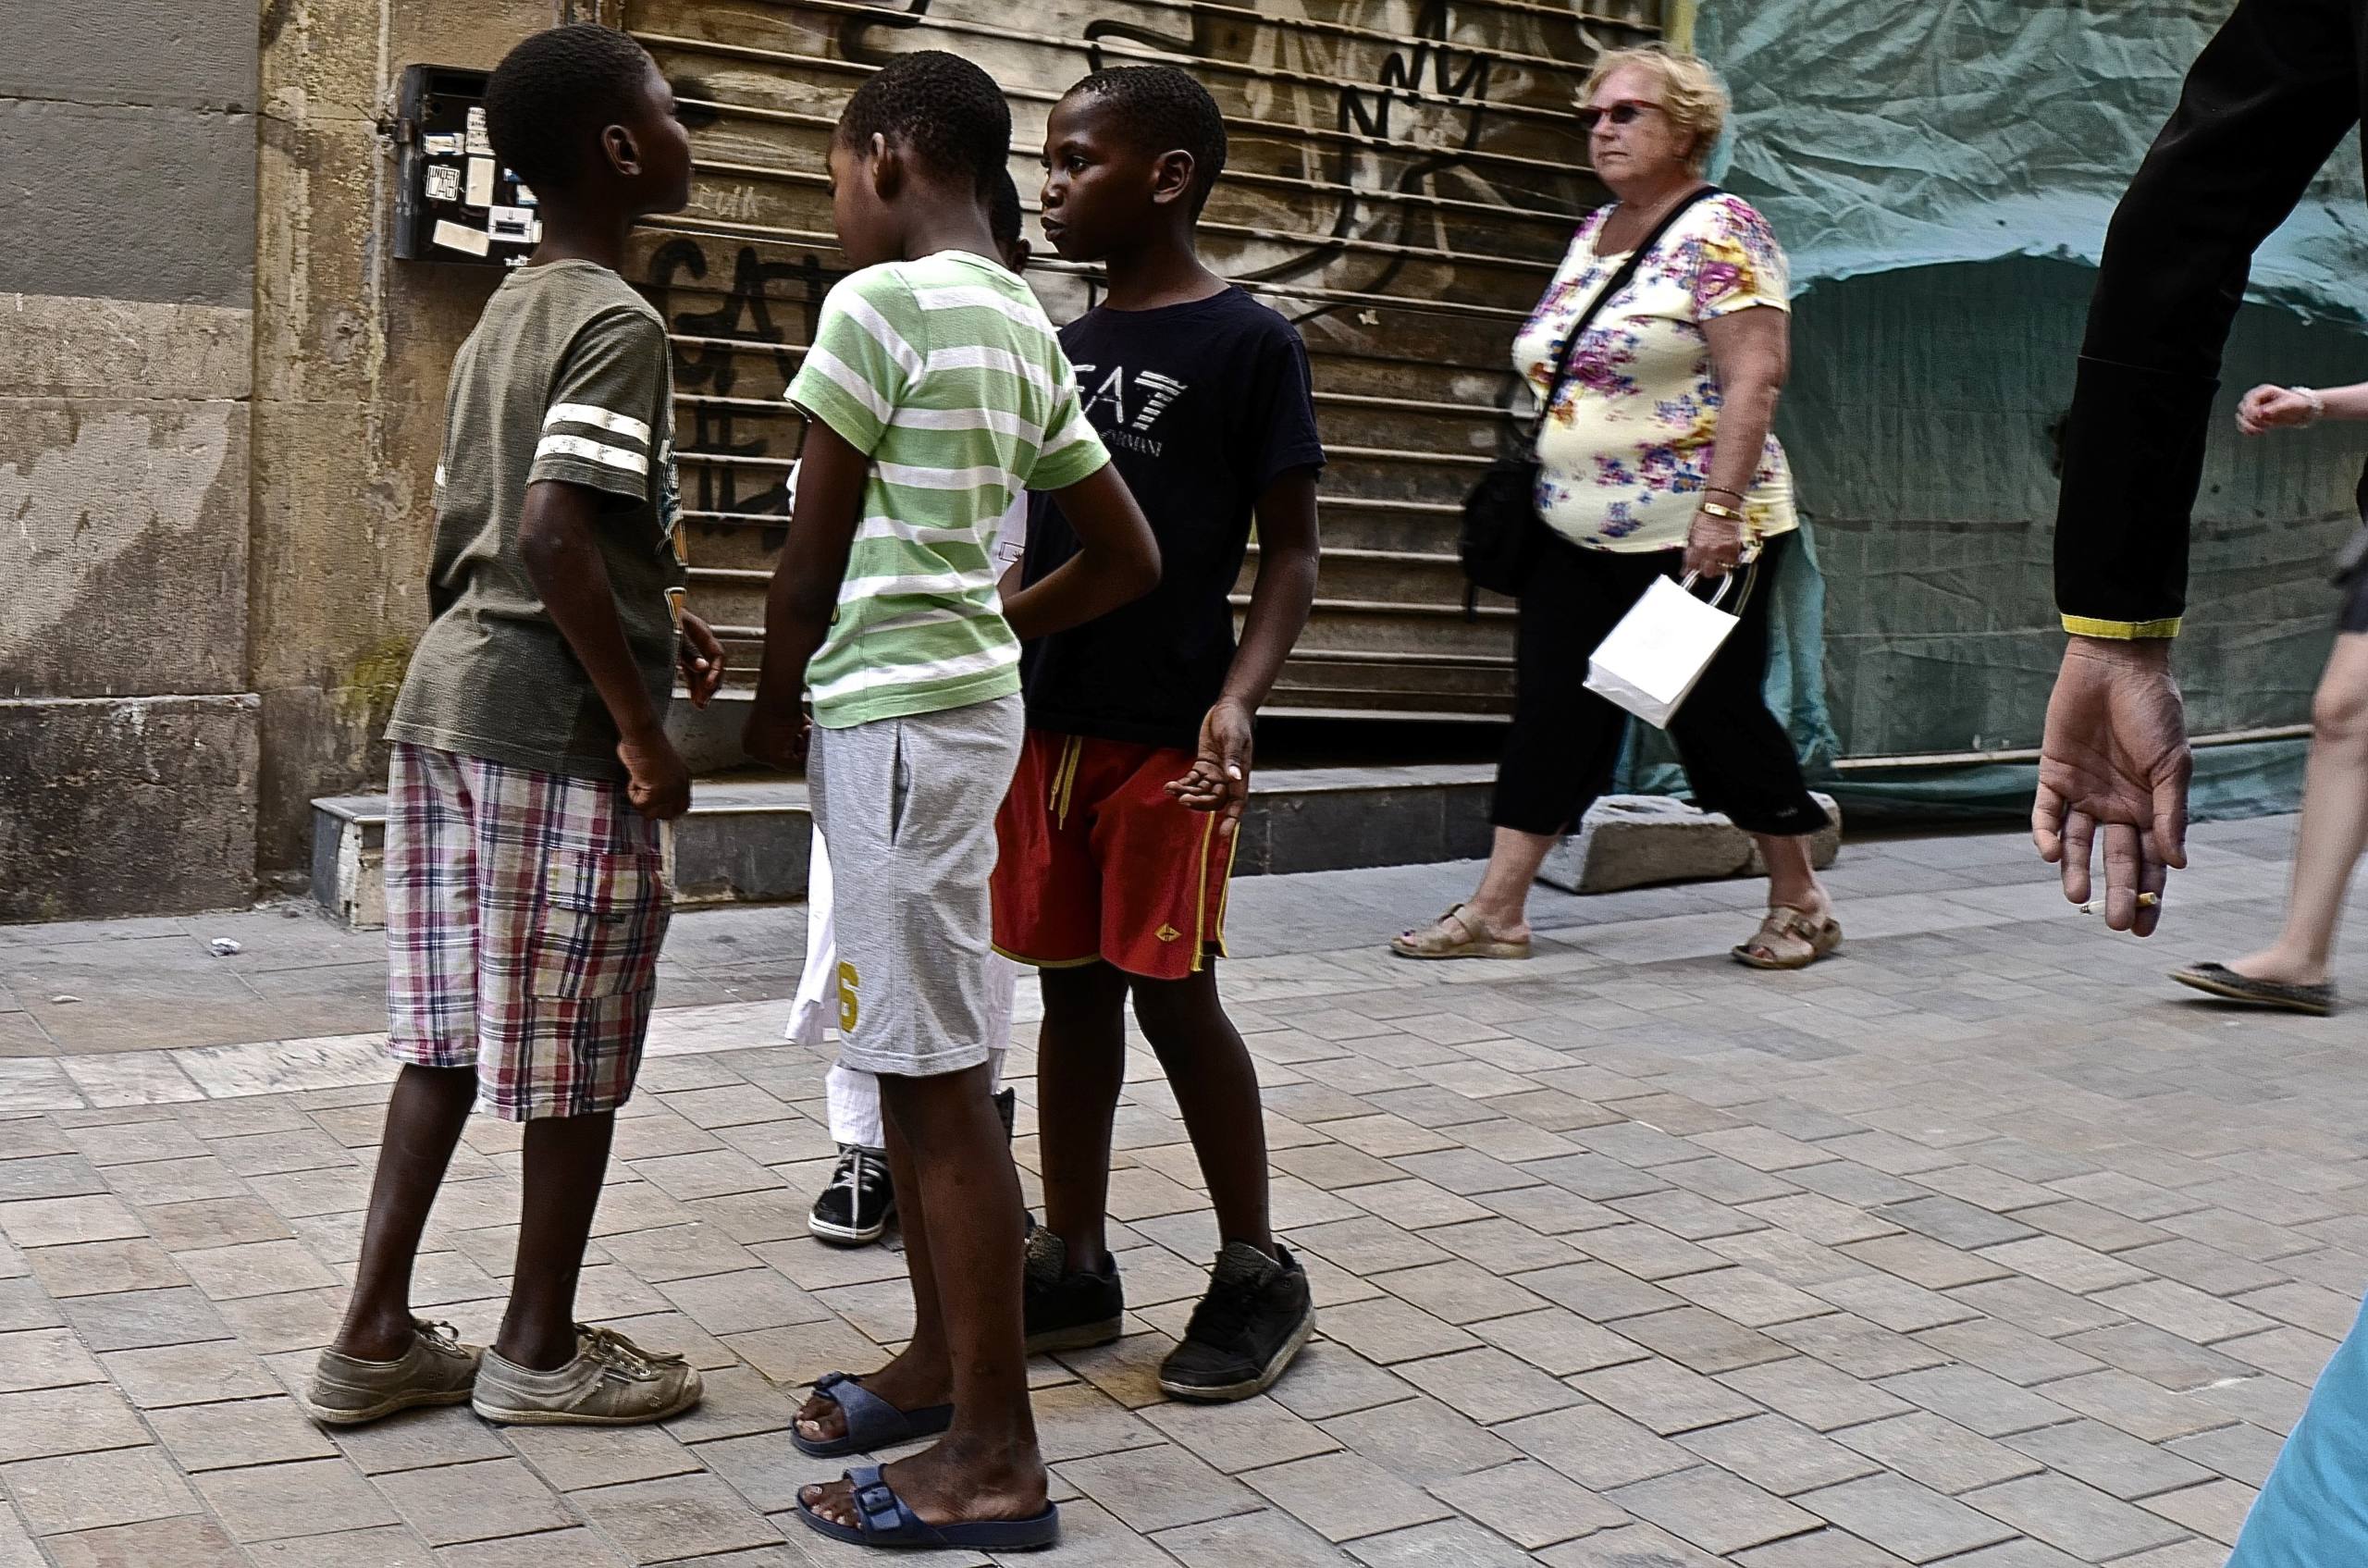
(921, 1374)
(964, 1195)
(1215, 1085)
(1502, 903)
(424, 1116)
(2334, 823)
(567, 1157)
(1080, 1070)
(1792, 877)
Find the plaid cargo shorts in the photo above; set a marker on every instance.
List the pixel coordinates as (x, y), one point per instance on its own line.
(524, 911)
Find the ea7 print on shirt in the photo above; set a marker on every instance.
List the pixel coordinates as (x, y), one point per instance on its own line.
(1154, 393)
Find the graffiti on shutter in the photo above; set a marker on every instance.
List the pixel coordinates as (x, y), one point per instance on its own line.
(1402, 179)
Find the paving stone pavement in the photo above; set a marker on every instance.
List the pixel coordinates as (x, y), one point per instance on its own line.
(1978, 1246)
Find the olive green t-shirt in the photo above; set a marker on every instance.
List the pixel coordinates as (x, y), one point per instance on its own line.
(565, 377)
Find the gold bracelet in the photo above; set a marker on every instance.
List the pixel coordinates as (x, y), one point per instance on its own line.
(1727, 514)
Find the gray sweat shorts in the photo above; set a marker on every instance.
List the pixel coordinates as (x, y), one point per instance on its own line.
(906, 808)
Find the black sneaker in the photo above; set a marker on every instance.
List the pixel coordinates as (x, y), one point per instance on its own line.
(854, 1209)
(1068, 1311)
(1245, 1331)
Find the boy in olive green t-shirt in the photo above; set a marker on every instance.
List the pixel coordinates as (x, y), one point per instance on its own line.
(525, 900)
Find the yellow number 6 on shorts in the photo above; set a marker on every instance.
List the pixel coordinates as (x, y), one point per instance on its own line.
(849, 1008)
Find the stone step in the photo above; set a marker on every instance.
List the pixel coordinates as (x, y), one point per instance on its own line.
(747, 841)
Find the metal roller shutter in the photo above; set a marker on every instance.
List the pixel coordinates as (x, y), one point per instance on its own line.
(1404, 177)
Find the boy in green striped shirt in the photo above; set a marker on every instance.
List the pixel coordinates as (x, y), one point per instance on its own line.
(936, 392)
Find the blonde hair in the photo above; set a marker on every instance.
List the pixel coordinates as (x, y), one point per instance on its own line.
(1692, 95)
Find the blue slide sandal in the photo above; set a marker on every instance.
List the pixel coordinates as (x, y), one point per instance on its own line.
(873, 1422)
(888, 1523)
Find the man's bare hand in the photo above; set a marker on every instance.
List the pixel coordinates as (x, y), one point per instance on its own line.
(699, 655)
(659, 785)
(1219, 778)
(775, 736)
(2115, 757)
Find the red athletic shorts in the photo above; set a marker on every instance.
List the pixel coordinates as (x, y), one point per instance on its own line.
(1096, 862)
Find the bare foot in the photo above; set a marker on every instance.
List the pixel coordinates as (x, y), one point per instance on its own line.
(2277, 968)
(946, 1485)
(904, 1382)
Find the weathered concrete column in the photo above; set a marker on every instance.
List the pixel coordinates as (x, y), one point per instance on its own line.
(127, 736)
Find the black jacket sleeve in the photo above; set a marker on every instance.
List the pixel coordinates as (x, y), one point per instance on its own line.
(2266, 103)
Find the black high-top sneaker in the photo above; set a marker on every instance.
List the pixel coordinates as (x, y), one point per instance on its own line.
(1068, 1310)
(1245, 1331)
(854, 1209)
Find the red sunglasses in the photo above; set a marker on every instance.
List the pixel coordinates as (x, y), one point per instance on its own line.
(1625, 112)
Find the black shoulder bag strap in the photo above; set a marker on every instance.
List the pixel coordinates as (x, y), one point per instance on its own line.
(1618, 280)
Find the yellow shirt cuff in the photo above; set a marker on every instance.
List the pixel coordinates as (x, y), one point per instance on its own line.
(2121, 631)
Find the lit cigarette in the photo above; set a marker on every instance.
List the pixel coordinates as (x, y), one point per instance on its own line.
(2145, 901)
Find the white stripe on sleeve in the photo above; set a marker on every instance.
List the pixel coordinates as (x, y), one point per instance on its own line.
(1078, 430)
(847, 379)
(593, 451)
(599, 419)
(876, 327)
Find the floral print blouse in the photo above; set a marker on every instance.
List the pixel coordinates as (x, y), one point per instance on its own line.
(1626, 450)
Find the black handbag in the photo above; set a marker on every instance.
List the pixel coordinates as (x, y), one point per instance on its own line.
(1502, 534)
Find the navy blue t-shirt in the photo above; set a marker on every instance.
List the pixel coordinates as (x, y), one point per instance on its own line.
(1203, 406)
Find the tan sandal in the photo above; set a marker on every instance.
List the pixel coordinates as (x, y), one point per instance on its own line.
(1790, 939)
(1456, 935)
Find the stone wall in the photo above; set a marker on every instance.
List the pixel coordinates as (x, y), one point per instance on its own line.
(127, 742)
(220, 402)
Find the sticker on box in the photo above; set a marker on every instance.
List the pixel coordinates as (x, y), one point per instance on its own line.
(480, 182)
(443, 182)
(479, 143)
(445, 143)
(512, 225)
(460, 237)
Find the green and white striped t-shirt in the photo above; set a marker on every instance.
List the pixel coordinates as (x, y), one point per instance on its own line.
(946, 374)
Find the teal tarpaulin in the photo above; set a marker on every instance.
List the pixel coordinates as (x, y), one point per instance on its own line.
(1879, 135)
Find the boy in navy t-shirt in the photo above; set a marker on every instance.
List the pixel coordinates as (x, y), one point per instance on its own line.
(1117, 838)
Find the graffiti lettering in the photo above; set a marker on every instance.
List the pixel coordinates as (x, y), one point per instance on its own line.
(1406, 87)
(716, 365)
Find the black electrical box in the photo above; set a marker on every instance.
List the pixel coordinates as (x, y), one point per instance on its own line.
(453, 200)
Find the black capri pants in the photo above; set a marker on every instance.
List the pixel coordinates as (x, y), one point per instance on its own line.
(1565, 740)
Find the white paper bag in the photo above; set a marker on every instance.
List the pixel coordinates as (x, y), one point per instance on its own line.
(1660, 647)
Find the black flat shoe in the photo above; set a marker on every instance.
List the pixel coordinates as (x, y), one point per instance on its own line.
(2220, 981)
